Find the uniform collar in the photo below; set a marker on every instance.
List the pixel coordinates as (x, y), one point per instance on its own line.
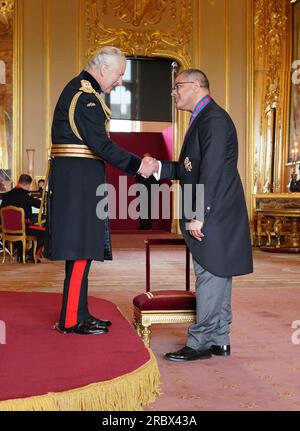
(95, 84)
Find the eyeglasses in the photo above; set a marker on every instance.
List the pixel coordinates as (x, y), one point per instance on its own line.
(178, 84)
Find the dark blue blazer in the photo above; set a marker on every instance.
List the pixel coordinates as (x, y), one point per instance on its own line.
(211, 146)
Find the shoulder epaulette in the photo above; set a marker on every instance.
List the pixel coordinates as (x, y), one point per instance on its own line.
(86, 86)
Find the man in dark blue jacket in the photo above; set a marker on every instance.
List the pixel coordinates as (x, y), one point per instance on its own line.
(219, 240)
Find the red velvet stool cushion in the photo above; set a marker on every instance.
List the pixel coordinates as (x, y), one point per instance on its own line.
(165, 300)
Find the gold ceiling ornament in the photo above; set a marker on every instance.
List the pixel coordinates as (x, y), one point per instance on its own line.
(6, 12)
(142, 31)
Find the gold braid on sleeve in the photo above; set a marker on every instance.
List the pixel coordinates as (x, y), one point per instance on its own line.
(107, 111)
(72, 114)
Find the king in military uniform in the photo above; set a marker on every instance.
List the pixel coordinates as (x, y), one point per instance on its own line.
(80, 148)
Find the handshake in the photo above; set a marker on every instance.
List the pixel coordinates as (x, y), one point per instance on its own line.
(149, 167)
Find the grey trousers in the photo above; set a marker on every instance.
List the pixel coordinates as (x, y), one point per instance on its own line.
(213, 299)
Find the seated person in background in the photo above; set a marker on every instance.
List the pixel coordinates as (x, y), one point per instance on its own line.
(41, 184)
(37, 193)
(2, 186)
(19, 197)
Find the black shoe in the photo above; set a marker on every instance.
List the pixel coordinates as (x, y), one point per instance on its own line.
(98, 322)
(221, 350)
(188, 354)
(83, 328)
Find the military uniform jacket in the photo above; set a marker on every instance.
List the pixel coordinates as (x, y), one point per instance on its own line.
(209, 157)
(73, 228)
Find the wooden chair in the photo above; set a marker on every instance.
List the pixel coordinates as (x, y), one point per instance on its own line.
(163, 306)
(14, 229)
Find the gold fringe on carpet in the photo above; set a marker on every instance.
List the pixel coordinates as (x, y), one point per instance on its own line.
(128, 392)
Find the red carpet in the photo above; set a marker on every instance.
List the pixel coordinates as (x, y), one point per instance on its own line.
(37, 360)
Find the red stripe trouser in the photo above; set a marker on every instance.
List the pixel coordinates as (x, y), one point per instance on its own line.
(75, 305)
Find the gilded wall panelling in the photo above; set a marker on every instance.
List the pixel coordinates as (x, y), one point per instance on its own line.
(271, 52)
(249, 156)
(6, 88)
(11, 36)
(17, 89)
(227, 54)
(47, 79)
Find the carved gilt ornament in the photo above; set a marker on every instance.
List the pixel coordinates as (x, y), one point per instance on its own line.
(270, 30)
(140, 27)
(6, 12)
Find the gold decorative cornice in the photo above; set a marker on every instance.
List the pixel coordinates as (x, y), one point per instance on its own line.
(138, 27)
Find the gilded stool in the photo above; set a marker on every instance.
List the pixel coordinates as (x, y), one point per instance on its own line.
(163, 306)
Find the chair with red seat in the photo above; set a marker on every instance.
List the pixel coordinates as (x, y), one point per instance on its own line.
(14, 229)
(163, 306)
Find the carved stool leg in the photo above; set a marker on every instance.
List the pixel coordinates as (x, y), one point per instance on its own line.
(146, 335)
(138, 327)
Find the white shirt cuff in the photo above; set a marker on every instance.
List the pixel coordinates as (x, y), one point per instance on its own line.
(158, 173)
(140, 166)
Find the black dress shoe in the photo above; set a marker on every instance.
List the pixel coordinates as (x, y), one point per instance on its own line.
(83, 328)
(188, 354)
(221, 350)
(98, 322)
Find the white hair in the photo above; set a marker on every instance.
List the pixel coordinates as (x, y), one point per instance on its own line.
(108, 55)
